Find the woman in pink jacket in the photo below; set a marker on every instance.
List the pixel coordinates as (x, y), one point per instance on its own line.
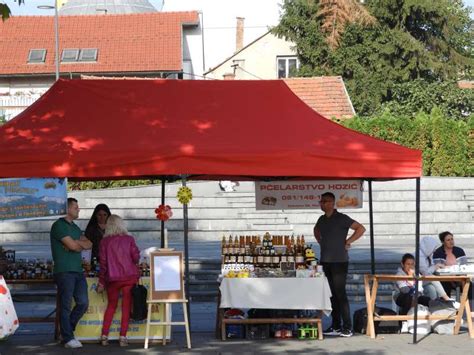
(118, 257)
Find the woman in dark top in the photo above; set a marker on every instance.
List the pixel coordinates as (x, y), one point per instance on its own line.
(96, 227)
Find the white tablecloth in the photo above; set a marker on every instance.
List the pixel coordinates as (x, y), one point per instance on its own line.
(276, 293)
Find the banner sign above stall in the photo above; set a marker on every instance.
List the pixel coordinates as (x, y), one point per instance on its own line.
(284, 195)
(24, 199)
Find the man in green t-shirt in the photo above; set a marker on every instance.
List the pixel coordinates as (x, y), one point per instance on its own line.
(67, 242)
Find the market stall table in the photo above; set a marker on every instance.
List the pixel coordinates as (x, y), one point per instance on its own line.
(371, 295)
(275, 293)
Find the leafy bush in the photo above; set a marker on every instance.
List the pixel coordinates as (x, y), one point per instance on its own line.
(447, 144)
(107, 184)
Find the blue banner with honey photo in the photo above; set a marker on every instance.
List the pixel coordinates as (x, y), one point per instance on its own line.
(26, 199)
(90, 325)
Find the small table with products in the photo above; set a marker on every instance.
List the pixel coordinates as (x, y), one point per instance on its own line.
(275, 293)
(278, 273)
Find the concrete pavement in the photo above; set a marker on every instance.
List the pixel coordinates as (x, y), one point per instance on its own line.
(38, 339)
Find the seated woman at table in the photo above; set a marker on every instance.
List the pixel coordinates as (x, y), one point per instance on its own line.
(404, 295)
(432, 289)
(118, 256)
(448, 254)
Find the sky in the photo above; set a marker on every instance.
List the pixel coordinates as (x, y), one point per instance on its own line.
(30, 6)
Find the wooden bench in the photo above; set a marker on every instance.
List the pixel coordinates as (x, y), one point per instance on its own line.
(371, 295)
(225, 321)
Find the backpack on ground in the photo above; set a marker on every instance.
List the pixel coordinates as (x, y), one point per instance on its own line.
(386, 327)
(359, 322)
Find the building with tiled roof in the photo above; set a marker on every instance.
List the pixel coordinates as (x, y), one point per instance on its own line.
(153, 44)
(270, 57)
(147, 44)
(325, 94)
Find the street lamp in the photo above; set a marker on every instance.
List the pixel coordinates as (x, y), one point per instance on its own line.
(56, 33)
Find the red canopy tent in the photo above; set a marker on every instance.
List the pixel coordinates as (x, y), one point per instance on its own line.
(110, 129)
(243, 130)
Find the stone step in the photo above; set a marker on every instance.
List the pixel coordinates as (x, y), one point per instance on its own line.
(203, 296)
(250, 226)
(392, 195)
(202, 285)
(449, 205)
(388, 206)
(153, 225)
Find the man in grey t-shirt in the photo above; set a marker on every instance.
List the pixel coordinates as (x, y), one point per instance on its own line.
(331, 233)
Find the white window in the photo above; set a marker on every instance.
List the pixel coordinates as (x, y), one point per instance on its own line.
(36, 55)
(70, 55)
(88, 55)
(287, 66)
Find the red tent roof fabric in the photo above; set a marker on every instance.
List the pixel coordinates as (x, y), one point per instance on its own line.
(91, 129)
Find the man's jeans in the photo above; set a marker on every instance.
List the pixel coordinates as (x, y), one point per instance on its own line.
(71, 284)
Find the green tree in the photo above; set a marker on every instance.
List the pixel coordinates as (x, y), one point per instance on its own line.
(410, 40)
(445, 143)
(5, 9)
(409, 98)
(107, 184)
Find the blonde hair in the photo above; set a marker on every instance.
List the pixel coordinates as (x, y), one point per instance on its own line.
(115, 226)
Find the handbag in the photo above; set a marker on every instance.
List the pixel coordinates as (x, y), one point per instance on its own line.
(139, 309)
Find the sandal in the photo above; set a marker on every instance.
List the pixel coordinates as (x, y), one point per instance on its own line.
(123, 341)
(104, 340)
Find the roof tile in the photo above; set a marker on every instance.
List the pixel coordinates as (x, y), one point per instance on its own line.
(147, 42)
(326, 95)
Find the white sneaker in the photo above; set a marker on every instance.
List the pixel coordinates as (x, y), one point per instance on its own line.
(453, 303)
(73, 344)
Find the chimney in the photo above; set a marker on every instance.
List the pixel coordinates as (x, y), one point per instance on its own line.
(239, 35)
(229, 76)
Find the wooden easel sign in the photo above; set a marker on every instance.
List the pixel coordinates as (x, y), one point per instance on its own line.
(166, 276)
(167, 286)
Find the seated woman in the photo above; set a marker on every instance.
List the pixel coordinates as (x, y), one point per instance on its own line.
(432, 289)
(404, 294)
(448, 254)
